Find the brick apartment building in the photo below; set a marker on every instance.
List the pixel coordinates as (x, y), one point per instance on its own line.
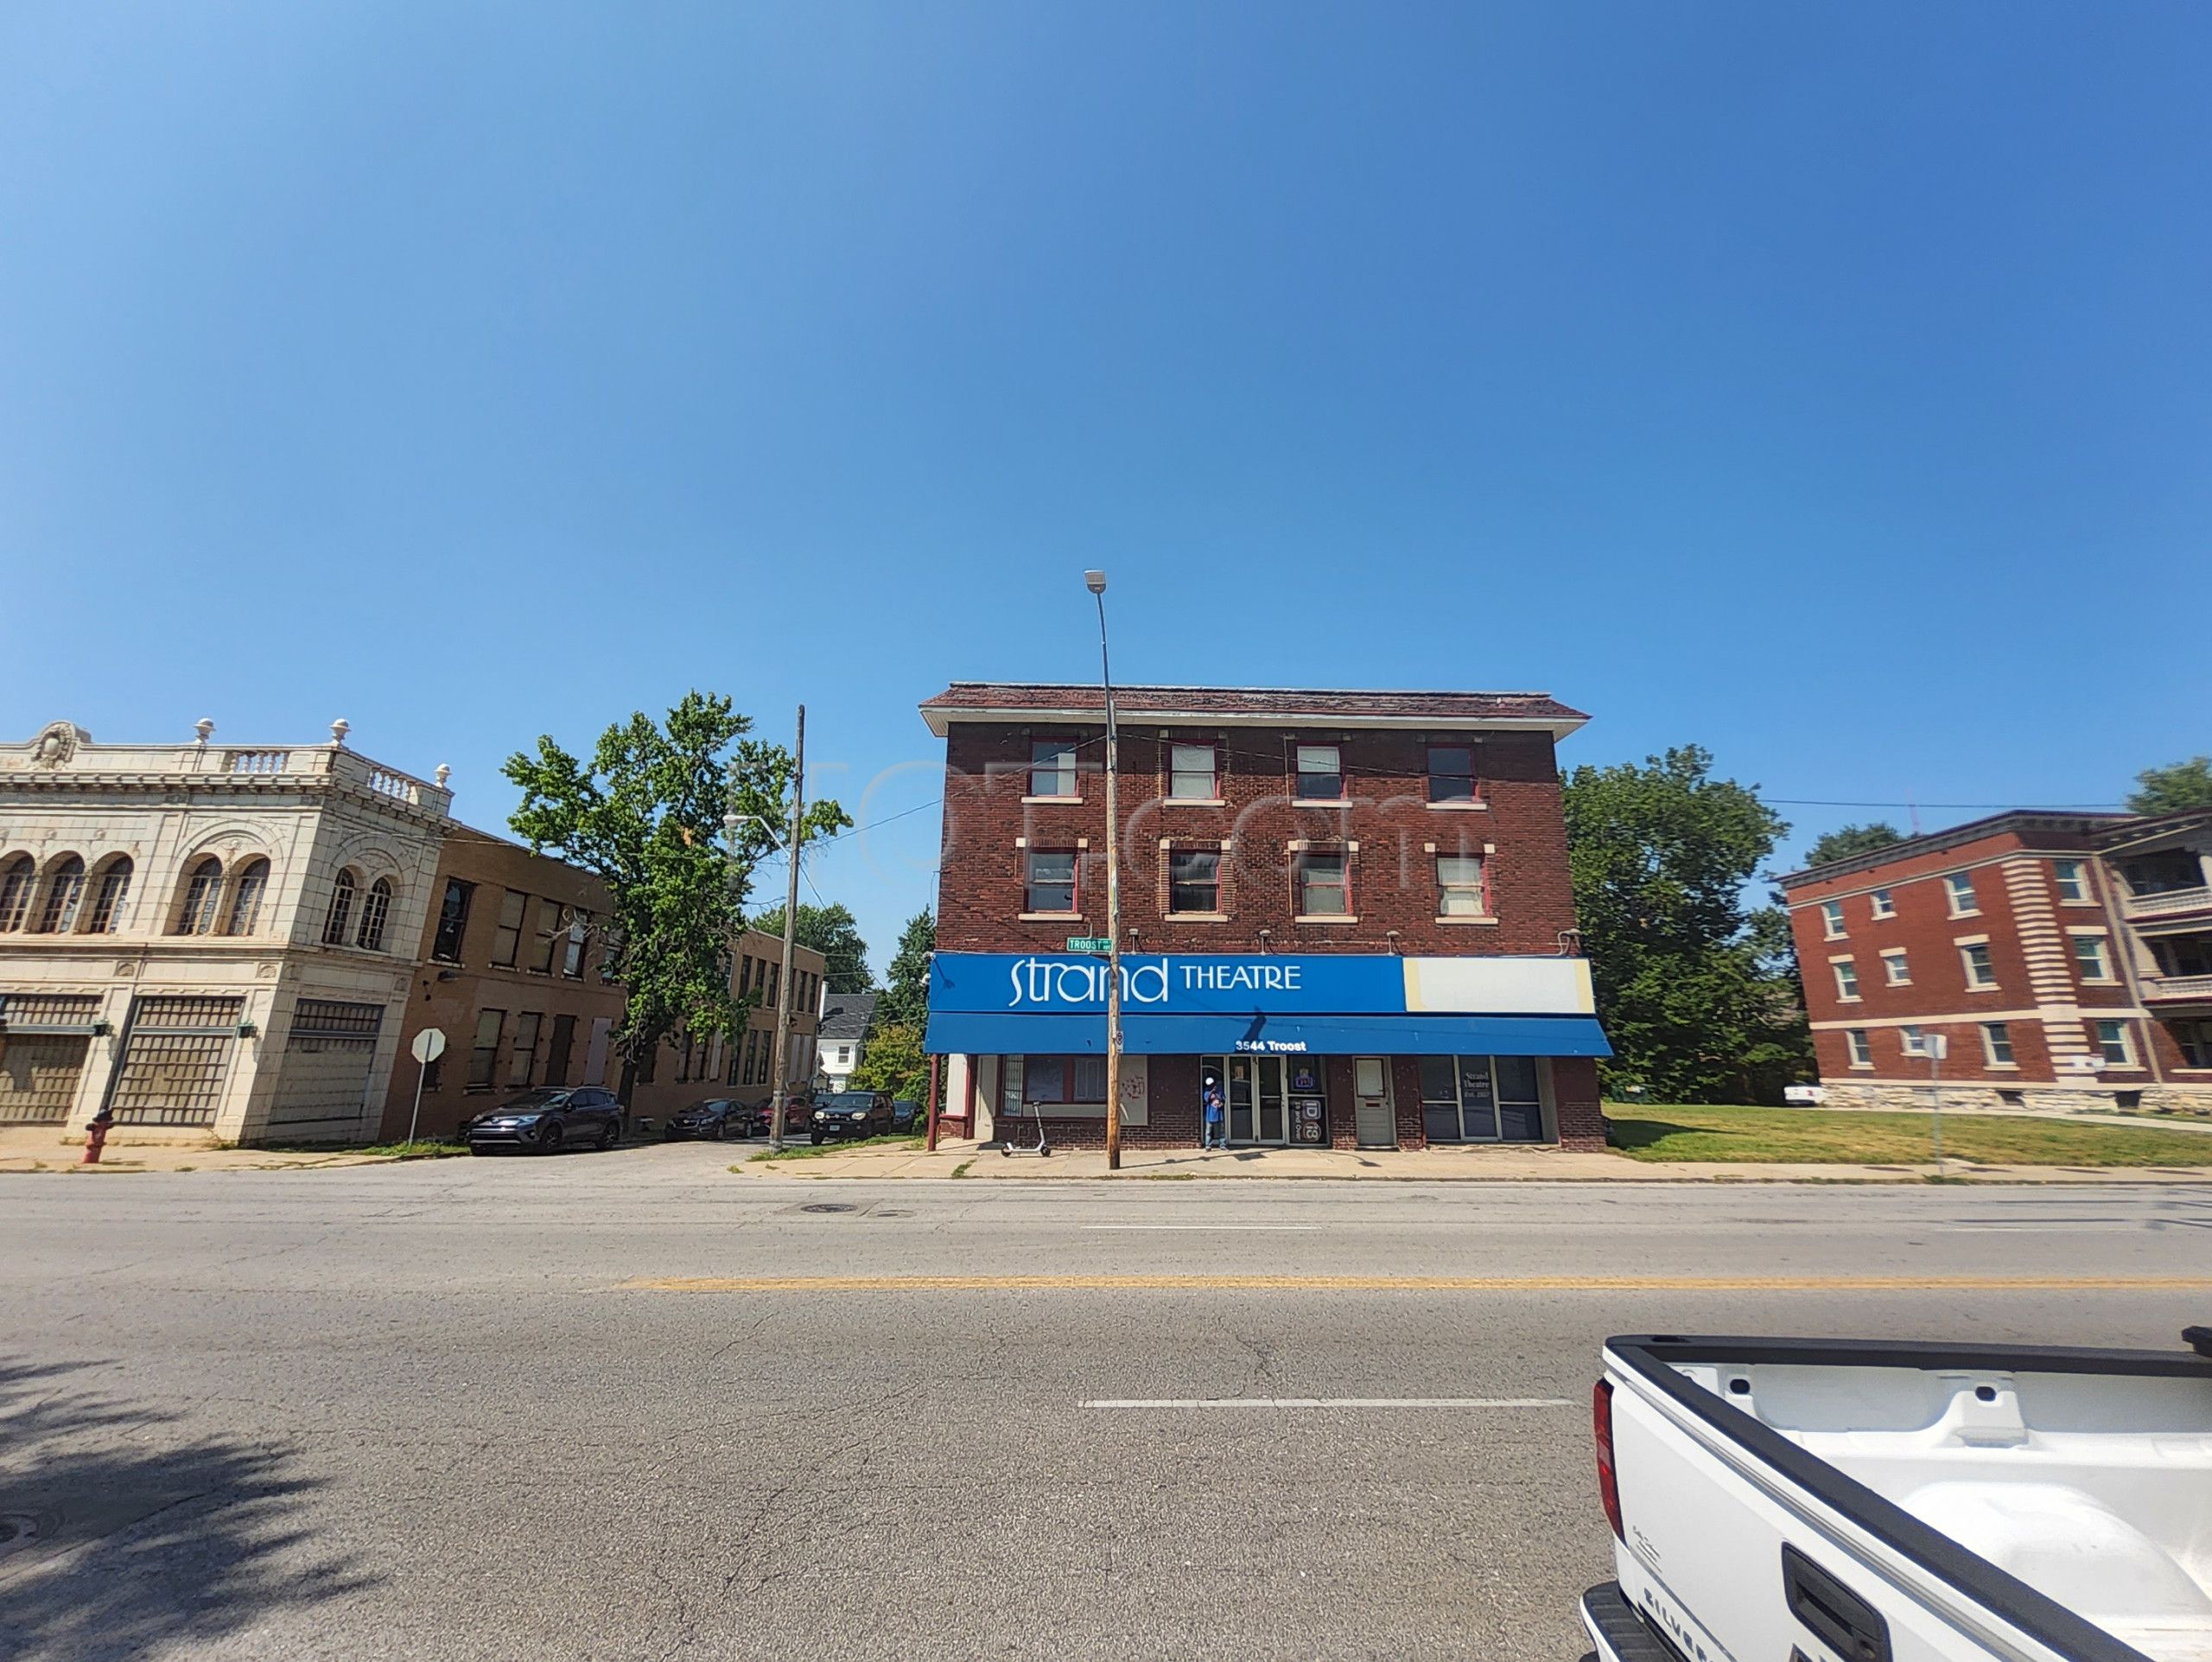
(509, 970)
(2065, 957)
(1350, 910)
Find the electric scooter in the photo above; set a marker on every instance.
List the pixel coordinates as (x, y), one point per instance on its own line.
(1042, 1147)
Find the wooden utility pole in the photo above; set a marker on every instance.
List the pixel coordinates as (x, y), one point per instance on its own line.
(778, 1104)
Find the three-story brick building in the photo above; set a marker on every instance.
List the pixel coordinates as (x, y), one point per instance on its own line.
(1349, 911)
(2065, 958)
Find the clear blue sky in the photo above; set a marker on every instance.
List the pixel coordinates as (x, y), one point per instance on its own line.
(1830, 385)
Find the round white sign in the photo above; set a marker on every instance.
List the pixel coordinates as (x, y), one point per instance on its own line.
(430, 1045)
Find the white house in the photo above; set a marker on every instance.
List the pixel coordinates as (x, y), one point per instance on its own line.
(842, 1040)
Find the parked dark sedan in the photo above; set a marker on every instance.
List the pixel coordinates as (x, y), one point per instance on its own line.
(851, 1113)
(904, 1114)
(547, 1121)
(717, 1118)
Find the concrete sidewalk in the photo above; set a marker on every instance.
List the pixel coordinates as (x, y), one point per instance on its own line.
(1465, 1165)
(47, 1148)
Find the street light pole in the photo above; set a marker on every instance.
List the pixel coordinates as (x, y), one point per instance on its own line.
(779, 1098)
(1096, 582)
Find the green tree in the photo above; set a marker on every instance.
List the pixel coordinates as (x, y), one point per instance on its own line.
(893, 1062)
(1695, 990)
(1848, 840)
(906, 999)
(833, 931)
(645, 814)
(2171, 789)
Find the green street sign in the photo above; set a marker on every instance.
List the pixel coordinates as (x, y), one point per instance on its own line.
(1089, 944)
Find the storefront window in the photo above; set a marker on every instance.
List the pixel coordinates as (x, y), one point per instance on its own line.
(1481, 1099)
(1079, 1080)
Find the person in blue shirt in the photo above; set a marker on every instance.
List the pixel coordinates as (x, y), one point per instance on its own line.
(1213, 1133)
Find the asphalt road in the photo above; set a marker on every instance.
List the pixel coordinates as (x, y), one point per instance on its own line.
(630, 1406)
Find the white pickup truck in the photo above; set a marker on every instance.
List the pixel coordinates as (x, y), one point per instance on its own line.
(1809, 1500)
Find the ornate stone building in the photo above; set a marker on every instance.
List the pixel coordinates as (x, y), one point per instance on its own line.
(209, 938)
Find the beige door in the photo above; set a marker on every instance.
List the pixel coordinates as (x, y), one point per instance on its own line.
(1375, 1120)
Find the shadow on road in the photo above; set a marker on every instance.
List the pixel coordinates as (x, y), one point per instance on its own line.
(121, 1535)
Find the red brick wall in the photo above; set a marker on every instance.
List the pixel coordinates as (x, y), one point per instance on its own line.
(1937, 996)
(1391, 874)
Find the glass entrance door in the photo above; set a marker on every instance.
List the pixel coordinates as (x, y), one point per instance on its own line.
(1259, 1106)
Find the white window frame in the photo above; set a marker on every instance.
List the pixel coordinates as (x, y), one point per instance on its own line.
(1912, 1040)
(1847, 979)
(1896, 967)
(2107, 973)
(1831, 923)
(2127, 1057)
(1479, 888)
(1974, 982)
(1859, 1046)
(1993, 1035)
(1972, 909)
(1881, 903)
(2081, 868)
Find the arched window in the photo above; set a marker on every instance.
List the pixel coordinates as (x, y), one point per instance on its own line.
(15, 893)
(201, 896)
(246, 900)
(65, 890)
(374, 910)
(341, 910)
(107, 901)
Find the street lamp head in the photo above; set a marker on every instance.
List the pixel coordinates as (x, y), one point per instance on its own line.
(731, 822)
(1095, 582)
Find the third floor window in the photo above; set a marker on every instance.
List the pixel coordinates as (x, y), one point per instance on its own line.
(1052, 767)
(453, 920)
(1451, 773)
(1191, 773)
(1321, 774)
(1194, 880)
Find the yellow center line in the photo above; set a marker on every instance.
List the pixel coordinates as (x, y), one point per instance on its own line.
(1413, 1283)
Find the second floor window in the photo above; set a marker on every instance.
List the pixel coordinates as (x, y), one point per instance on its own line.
(107, 904)
(1052, 767)
(2091, 958)
(245, 898)
(1451, 773)
(1321, 774)
(1321, 891)
(340, 916)
(201, 895)
(1191, 773)
(1846, 978)
(15, 892)
(572, 959)
(506, 937)
(1049, 884)
(1897, 968)
(374, 910)
(64, 891)
(547, 941)
(1194, 880)
(1980, 971)
(1459, 886)
(453, 920)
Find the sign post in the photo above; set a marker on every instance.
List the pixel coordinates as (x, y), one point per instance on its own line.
(428, 1045)
(1936, 1044)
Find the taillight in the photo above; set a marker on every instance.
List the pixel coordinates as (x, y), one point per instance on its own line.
(1601, 1432)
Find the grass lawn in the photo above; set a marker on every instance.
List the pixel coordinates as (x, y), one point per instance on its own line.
(1669, 1131)
(810, 1151)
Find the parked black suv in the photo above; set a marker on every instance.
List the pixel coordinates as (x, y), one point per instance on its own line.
(546, 1121)
(851, 1113)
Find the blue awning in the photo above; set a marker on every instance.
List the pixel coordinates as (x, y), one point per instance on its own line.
(963, 1033)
